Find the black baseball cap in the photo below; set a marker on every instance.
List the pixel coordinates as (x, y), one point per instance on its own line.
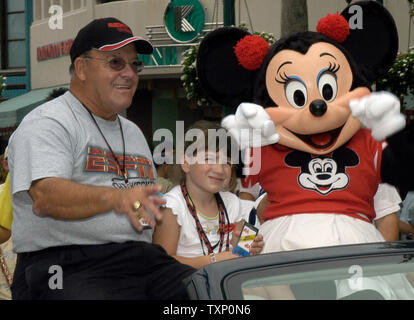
(107, 34)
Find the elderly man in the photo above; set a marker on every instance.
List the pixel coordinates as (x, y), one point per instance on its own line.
(83, 184)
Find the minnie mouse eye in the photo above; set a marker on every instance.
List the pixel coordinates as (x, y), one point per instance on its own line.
(296, 94)
(328, 87)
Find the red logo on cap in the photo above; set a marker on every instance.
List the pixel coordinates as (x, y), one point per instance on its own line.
(120, 26)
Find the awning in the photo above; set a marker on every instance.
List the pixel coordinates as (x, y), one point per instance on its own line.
(13, 111)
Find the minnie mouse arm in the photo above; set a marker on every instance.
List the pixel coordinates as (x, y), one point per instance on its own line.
(380, 112)
(251, 126)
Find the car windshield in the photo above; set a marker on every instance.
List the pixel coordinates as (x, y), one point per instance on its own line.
(350, 279)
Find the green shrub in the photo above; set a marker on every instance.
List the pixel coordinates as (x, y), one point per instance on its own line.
(400, 78)
(2, 84)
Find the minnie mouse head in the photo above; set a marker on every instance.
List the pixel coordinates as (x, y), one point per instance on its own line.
(306, 80)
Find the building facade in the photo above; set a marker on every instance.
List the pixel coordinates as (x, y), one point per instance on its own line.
(15, 19)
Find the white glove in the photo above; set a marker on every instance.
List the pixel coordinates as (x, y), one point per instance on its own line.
(380, 112)
(251, 126)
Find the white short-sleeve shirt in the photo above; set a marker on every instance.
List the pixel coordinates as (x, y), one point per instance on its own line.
(189, 244)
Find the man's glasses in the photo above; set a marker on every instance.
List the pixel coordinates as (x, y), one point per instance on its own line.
(118, 63)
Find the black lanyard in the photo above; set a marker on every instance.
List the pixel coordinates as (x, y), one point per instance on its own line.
(122, 170)
(222, 221)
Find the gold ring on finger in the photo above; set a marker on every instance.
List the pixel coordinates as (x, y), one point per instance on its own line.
(137, 205)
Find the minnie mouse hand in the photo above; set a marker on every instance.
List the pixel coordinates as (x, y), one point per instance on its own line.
(251, 126)
(380, 112)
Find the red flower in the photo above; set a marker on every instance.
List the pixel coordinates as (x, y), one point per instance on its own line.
(250, 51)
(334, 26)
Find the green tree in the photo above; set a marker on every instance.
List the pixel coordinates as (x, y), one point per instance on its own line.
(400, 78)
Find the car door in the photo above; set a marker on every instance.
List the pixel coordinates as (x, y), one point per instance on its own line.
(364, 271)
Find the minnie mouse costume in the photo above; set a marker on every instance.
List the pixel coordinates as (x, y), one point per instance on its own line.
(326, 140)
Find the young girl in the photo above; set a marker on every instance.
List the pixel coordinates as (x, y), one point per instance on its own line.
(202, 221)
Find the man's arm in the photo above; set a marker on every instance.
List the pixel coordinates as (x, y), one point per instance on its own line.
(65, 199)
(388, 226)
(405, 228)
(4, 234)
(6, 211)
(261, 208)
(246, 196)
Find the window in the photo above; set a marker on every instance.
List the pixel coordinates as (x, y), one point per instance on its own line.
(373, 271)
(375, 278)
(12, 34)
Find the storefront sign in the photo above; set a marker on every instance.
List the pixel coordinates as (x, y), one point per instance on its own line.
(54, 50)
(184, 20)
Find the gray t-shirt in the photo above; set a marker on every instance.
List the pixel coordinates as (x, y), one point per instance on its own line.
(60, 139)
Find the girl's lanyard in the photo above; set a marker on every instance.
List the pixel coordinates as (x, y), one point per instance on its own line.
(222, 220)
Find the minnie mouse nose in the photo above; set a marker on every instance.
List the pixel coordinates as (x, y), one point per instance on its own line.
(318, 108)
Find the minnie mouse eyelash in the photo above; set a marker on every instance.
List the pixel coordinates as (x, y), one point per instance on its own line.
(333, 67)
(285, 78)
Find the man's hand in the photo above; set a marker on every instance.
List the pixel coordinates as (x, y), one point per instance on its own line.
(380, 112)
(140, 202)
(251, 126)
(67, 200)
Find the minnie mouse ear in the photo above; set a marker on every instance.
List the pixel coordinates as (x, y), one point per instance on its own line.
(373, 39)
(219, 71)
